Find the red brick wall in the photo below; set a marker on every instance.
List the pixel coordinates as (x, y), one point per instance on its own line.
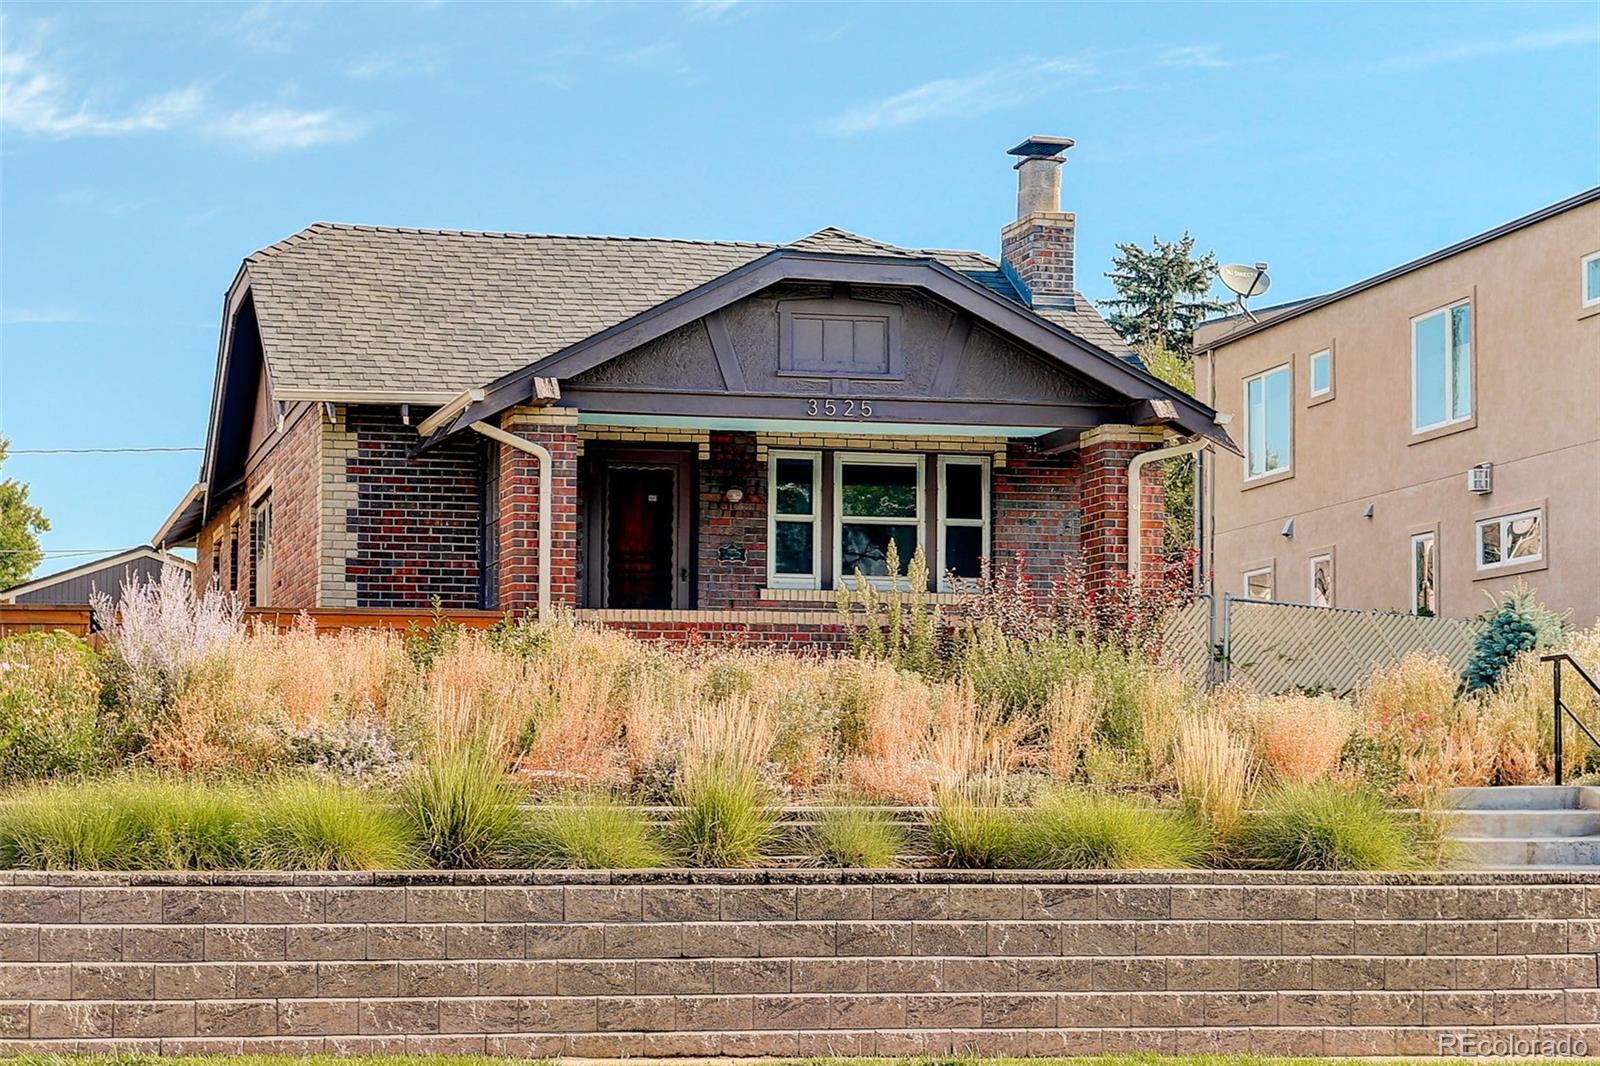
(821, 636)
(726, 528)
(519, 513)
(416, 520)
(1036, 510)
(1105, 502)
(291, 465)
(1039, 251)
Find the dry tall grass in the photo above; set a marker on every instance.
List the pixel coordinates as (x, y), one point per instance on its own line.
(1214, 771)
(1298, 738)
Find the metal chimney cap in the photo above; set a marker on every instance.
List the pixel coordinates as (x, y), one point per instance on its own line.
(1041, 147)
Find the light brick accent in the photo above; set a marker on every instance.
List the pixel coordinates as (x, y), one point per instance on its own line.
(339, 498)
(790, 963)
(700, 438)
(994, 447)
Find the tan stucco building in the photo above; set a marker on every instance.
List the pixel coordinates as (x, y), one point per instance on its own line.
(1420, 438)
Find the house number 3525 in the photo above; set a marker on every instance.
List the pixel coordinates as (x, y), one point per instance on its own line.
(840, 408)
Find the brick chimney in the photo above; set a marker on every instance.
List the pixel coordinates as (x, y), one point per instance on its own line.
(1036, 249)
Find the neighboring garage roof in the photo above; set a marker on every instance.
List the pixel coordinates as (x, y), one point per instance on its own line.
(1207, 338)
(345, 307)
(73, 585)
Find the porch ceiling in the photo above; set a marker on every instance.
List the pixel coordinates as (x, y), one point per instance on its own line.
(807, 426)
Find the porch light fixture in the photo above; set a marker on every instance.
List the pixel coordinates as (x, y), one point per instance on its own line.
(1288, 528)
(734, 495)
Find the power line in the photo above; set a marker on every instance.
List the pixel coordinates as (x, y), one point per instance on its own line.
(96, 451)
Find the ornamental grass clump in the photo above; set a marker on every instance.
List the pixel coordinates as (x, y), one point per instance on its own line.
(725, 814)
(317, 824)
(857, 837)
(461, 810)
(134, 823)
(1079, 829)
(968, 828)
(589, 831)
(1326, 826)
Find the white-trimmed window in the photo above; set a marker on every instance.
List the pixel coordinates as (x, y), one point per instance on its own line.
(1321, 580)
(1591, 280)
(261, 552)
(878, 499)
(963, 516)
(1258, 583)
(794, 535)
(1441, 367)
(1510, 539)
(1424, 574)
(1321, 372)
(1266, 423)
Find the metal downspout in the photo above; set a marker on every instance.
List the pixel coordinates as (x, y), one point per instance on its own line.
(1135, 505)
(540, 452)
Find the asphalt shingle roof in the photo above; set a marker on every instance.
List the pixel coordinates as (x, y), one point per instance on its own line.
(344, 307)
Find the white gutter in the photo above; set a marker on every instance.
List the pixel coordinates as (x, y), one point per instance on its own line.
(540, 452)
(1135, 471)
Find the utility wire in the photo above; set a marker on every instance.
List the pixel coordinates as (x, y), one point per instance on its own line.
(95, 451)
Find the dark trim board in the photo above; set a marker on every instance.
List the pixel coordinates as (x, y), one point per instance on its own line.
(966, 295)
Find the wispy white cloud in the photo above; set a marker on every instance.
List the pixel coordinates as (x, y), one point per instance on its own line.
(423, 61)
(266, 130)
(1208, 57)
(271, 26)
(1005, 86)
(1485, 47)
(38, 97)
(38, 316)
(710, 10)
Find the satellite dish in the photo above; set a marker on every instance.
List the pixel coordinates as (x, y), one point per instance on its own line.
(1245, 281)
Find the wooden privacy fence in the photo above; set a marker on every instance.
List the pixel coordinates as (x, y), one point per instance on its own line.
(43, 617)
(1277, 646)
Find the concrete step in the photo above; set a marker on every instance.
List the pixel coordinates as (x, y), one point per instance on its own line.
(1564, 852)
(1521, 825)
(1525, 798)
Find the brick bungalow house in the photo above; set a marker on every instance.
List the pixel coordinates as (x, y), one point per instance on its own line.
(673, 436)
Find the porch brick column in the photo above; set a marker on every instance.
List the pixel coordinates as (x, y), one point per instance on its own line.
(1105, 453)
(556, 429)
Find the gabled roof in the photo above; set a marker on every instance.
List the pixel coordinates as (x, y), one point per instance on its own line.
(108, 562)
(345, 308)
(1207, 339)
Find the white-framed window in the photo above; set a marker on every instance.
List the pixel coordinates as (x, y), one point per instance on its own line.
(1590, 279)
(1510, 539)
(1441, 367)
(963, 516)
(1424, 574)
(261, 552)
(794, 534)
(1258, 583)
(1321, 580)
(878, 499)
(1321, 372)
(1267, 411)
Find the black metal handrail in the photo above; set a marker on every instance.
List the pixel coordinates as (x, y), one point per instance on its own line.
(1559, 707)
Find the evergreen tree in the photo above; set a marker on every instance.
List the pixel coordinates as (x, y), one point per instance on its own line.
(20, 526)
(1178, 371)
(1163, 292)
(1514, 625)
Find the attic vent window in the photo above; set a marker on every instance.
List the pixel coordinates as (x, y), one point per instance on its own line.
(839, 338)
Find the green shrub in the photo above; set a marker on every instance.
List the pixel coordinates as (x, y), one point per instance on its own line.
(49, 708)
(724, 816)
(589, 832)
(857, 837)
(318, 824)
(134, 823)
(1074, 829)
(1325, 826)
(1516, 624)
(462, 810)
(968, 830)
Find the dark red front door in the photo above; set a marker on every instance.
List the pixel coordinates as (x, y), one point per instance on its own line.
(639, 538)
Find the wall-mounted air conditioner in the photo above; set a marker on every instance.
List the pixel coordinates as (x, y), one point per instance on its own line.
(1480, 479)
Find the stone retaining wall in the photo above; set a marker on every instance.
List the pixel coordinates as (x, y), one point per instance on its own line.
(795, 962)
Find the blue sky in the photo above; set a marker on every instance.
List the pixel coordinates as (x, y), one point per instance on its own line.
(144, 150)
